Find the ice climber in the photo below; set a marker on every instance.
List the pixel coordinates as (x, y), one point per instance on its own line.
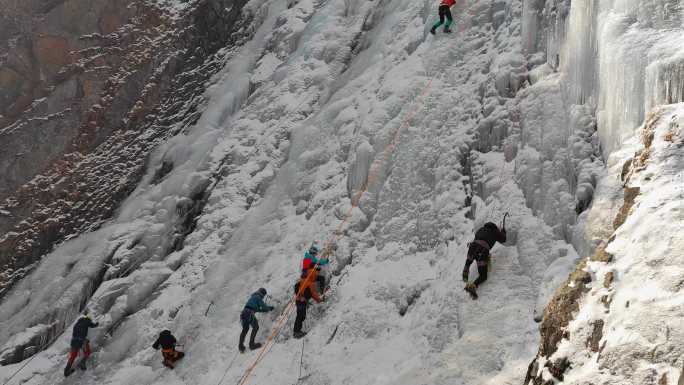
(304, 291)
(311, 260)
(79, 341)
(478, 250)
(444, 12)
(167, 342)
(255, 304)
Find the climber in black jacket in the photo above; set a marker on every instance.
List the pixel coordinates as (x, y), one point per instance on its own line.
(478, 250)
(79, 340)
(167, 342)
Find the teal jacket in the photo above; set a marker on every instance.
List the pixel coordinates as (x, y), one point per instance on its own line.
(257, 304)
(311, 261)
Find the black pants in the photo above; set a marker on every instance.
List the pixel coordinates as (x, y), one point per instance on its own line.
(482, 275)
(301, 316)
(248, 319)
(321, 283)
(477, 253)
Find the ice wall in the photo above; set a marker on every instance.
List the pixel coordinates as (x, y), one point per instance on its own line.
(619, 63)
(616, 61)
(493, 118)
(620, 57)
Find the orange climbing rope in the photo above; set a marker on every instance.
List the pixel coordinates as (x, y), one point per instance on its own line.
(375, 171)
(327, 248)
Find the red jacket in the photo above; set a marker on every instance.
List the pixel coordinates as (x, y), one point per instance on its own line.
(449, 3)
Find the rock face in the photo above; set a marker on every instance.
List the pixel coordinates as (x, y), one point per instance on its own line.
(84, 97)
(576, 294)
(563, 308)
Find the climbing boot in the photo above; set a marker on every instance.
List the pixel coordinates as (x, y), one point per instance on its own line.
(432, 30)
(241, 348)
(298, 335)
(254, 346)
(447, 30)
(471, 289)
(82, 364)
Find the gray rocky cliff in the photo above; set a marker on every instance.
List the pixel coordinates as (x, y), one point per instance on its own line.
(84, 97)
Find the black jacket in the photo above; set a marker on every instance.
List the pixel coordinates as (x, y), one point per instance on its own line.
(166, 340)
(491, 234)
(81, 327)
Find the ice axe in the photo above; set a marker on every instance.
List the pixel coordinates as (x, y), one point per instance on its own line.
(503, 221)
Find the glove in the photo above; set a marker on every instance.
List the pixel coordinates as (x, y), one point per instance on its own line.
(465, 275)
(270, 308)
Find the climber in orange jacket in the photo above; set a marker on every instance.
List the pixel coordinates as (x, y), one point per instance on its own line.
(444, 12)
(167, 342)
(304, 291)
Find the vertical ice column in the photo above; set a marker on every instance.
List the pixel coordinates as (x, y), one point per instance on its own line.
(639, 54)
(358, 170)
(556, 17)
(665, 81)
(578, 56)
(531, 21)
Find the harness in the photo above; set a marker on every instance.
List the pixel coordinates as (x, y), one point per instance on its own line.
(482, 243)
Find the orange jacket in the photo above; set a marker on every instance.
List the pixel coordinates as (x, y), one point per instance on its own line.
(304, 289)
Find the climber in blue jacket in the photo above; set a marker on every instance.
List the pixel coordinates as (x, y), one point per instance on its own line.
(255, 304)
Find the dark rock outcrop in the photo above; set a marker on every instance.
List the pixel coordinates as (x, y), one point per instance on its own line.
(84, 98)
(565, 302)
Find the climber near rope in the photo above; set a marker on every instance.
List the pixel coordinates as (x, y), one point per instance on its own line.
(255, 304)
(304, 291)
(444, 12)
(167, 342)
(79, 341)
(478, 250)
